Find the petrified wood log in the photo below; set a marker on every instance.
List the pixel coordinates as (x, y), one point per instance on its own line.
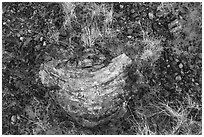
(89, 97)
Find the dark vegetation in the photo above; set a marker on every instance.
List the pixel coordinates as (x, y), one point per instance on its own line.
(166, 94)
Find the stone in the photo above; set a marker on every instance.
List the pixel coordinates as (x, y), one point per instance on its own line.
(151, 16)
(180, 66)
(90, 97)
(178, 77)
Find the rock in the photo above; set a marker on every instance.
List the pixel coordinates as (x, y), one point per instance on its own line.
(180, 66)
(178, 78)
(151, 16)
(91, 98)
(13, 119)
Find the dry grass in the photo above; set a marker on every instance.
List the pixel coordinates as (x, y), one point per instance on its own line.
(90, 35)
(101, 14)
(171, 118)
(68, 8)
(152, 49)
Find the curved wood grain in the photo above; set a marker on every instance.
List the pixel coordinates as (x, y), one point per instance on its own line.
(90, 97)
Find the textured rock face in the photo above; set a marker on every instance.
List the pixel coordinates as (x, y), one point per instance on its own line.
(90, 97)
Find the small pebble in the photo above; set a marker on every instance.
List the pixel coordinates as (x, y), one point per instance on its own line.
(21, 38)
(13, 119)
(180, 65)
(132, 11)
(178, 77)
(176, 60)
(18, 117)
(44, 43)
(151, 16)
(41, 38)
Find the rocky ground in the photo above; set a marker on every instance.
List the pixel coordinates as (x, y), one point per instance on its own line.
(164, 41)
